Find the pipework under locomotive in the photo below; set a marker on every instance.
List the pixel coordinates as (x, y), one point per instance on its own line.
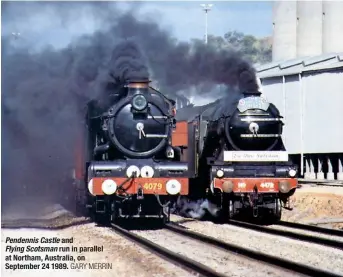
(132, 169)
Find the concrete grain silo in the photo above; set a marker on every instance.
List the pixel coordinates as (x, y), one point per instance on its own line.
(309, 28)
(305, 82)
(332, 26)
(284, 30)
(306, 28)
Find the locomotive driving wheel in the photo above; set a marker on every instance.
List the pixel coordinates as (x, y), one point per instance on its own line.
(277, 209)
(230, 210)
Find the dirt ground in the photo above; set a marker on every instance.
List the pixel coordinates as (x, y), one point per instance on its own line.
(318, 205)
(125, 257)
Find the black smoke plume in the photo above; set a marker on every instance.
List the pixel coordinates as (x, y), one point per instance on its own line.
(63, 54)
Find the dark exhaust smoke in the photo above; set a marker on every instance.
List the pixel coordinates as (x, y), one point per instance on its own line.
(127, 63)
(70, 53)
(195, 209)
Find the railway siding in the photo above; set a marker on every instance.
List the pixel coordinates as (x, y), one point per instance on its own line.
(325, 258)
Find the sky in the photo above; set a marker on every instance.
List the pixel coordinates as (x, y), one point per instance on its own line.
(184, 20)
(187, 19)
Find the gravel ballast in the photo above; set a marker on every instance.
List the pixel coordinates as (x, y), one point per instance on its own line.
(218, 259)
(126, 257)
(326, 258)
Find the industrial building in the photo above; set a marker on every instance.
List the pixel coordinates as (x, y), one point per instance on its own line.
(305, 82)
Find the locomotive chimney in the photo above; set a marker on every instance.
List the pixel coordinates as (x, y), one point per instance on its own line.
(248, 84)
(138, 86)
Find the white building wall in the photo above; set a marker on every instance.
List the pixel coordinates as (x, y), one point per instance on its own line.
(321, 130)
(323, 119)
(292, 114)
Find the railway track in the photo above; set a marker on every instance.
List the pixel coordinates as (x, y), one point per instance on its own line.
(179, 260)
(259, 256)
(197, 267)
(333, 183)
(294, 235)
(320, 230)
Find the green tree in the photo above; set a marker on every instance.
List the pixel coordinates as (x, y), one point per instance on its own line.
(257, 50)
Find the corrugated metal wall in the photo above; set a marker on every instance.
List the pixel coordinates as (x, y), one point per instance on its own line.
(323, 119)
(322, 125)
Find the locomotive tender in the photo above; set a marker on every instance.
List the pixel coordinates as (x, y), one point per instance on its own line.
(131, 168)
(240, 159)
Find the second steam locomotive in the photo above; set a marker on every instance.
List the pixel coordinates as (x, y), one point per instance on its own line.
(240, 162)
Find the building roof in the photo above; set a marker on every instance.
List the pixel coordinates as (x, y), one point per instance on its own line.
(300, 65)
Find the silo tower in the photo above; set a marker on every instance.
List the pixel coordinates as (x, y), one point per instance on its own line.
(309, 28)
(332, 26)
(284, 30)
(306, 28)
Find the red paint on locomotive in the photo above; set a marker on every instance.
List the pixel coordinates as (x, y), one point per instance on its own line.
(148, 185)
(263, 185)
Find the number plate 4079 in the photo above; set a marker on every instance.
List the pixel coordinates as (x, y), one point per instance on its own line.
(153, 186)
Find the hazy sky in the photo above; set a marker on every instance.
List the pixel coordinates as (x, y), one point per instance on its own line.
(184, 19)
(187, 19)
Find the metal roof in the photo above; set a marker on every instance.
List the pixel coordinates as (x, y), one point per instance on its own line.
(300, 65)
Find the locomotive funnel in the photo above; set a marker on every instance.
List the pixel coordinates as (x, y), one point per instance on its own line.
(139, 86)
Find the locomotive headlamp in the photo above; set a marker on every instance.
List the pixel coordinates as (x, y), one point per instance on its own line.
(228, 186)
(284, 186)
(139, 102)
(292, 172)
(133, 170)
(220, 173)
(147, 172)
(170, 152)
(173, 187)
(90, 187)
(109, 186)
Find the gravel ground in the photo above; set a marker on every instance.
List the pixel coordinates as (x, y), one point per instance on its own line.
(317, 205)
(311, 254)
(127, 258)
(218, 259)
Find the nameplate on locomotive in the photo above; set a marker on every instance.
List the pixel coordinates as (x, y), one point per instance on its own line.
(253, 102)
(255, 156)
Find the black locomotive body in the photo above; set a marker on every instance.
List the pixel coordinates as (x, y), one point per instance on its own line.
(132, 169)
(241, 162)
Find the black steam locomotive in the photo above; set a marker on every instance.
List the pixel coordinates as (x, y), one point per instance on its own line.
(241, 162)
(132, 169)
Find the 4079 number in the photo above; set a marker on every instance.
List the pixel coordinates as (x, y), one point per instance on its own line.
(153, 186)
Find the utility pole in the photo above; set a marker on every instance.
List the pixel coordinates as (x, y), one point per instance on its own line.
(206, 8)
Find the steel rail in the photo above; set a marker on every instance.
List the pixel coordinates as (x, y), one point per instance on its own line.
(326, 231)
(173, 257)
(259, 256)
(289, 234)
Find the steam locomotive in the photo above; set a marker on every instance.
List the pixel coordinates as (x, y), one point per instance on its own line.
(130, 167)
(240, 162)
